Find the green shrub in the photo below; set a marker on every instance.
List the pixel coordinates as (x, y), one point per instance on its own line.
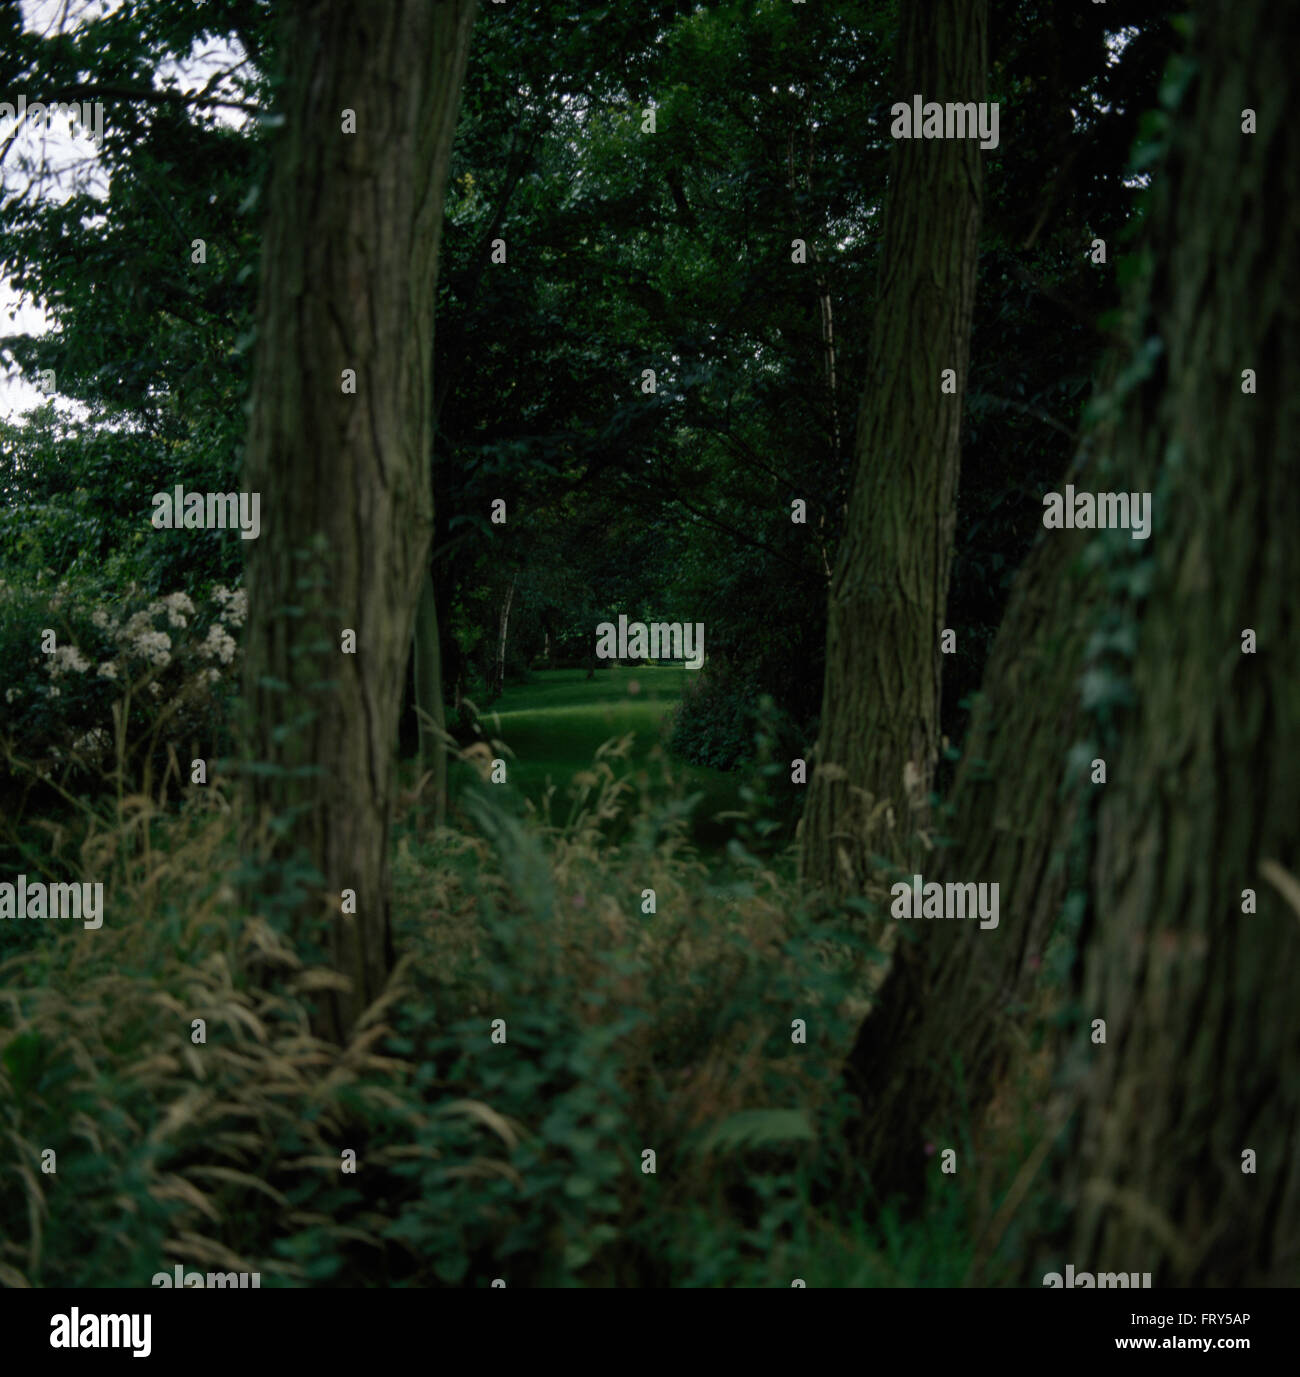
(714, 723)
(95, 682)
(624, 1031)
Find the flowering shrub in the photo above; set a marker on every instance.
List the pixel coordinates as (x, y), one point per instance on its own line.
(89, 676)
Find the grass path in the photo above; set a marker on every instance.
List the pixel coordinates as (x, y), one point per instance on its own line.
(555, 724)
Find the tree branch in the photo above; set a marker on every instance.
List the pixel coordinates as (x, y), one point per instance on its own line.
(86, 90)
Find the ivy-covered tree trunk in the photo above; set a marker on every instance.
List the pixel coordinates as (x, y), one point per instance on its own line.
(880, 708)
(338, 448)
(1189, 1161)
(1143, 875)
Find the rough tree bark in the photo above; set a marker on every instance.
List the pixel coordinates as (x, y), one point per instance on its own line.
(949, 1015)
(943, 1023)
(1202, 1055)
(880, 709)
(349, 268)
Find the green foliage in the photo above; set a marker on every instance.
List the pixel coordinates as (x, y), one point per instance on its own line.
(78, 503)
(119, 696)
(520, 1159)
(715, 721)
(759, 1128)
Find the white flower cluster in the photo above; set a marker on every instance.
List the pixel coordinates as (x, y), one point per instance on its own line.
(95, 744)
(234, 605)
(220, 644)
(67, 659)
(177, 606)
(141, 638)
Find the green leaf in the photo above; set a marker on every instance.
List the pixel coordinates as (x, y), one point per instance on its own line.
(759, 1127)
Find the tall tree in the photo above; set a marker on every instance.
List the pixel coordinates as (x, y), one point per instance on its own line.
(1197, 984)
(942, 1026)
(1144, 876)
(349, 271)
(880, 709)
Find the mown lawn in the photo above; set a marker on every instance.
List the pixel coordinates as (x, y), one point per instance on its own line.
(555, 724)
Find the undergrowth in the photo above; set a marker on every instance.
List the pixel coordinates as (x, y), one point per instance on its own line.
(562, 1008)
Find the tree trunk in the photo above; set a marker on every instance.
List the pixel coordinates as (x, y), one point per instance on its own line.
(503, 631)
(349, 268)
(552, 640)
(1202, 1055)
(1143, 875)
(428, 697)
(880, 708)
(950, 1012)
(943, 1023)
